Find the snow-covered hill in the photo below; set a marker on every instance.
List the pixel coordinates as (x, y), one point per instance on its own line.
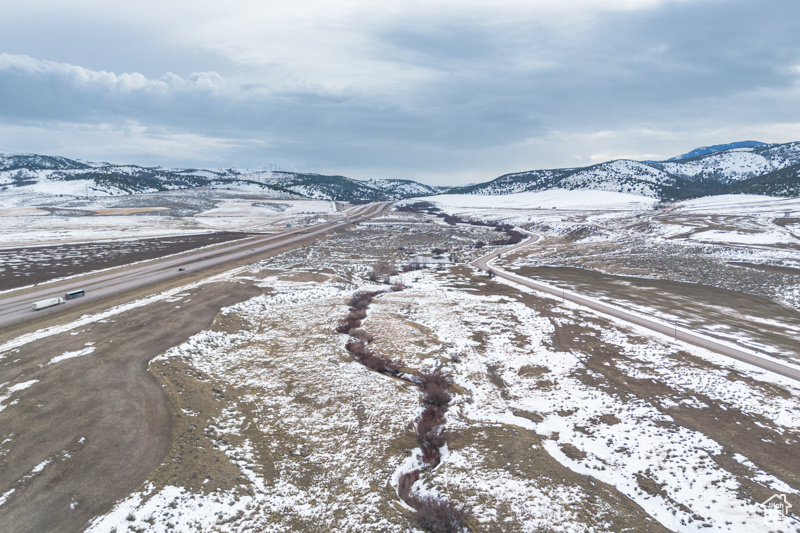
(766, 169)
(734, 165)
(22, 174)
(761, 169)
(622, 176)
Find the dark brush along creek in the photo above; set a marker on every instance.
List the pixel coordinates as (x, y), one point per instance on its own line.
(438, 515)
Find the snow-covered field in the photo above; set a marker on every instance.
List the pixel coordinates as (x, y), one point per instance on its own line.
(568, 421)
(552, 199)
(738, 237)
(742, 204)
(544, 436)
(97, 221)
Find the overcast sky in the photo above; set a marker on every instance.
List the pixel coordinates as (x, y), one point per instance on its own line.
(444, 92)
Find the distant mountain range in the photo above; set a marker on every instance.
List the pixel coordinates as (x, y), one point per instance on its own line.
(747, 167)
(59, 175)
(769, 169)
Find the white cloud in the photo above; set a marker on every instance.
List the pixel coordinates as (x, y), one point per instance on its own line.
(77, 75)
(128, 142)
(107, 81)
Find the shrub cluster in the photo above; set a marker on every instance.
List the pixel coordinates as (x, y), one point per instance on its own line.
(362, 299)
(430, 432)
(357, 346)
(407, 480)
(362, 335)
(437, 375)
(371, 360)
(348, 324)
(441, 515)
(514, 236)
(397, 287)
(438, 515)
(412, 266)
(359, 314)
(436, 394)
(382, 271)
(419, 207)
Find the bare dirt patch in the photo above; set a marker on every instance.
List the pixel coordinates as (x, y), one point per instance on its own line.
(696, 305)
(99, 423)
(20, 267)
(126, 210)
(22, 212)
(520, 451)
(752, 436)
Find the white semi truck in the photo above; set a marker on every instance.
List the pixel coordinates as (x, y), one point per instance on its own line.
(50, 302)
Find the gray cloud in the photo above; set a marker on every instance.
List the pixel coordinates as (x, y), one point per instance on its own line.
(459, 94)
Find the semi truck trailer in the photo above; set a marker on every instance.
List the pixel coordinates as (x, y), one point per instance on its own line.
(50, 302)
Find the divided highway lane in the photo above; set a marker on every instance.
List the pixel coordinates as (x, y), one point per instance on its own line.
(15, 306)
(484, 263)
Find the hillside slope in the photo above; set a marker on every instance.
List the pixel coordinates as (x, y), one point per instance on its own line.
(760, 169)
(38, 174)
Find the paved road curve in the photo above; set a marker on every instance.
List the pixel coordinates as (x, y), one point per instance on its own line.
(15, 306)
(484, 263)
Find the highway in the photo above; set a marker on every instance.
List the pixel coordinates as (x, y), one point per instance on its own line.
(16, 306)
(678, 333)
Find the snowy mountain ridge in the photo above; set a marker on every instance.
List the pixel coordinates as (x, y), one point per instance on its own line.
(765, 169)
(41, 174)
(771, 169)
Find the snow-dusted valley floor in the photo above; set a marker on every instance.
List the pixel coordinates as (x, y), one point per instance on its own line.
(726, 266)
(568, 421)
(48, 219)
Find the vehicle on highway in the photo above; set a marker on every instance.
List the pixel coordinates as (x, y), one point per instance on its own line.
(181, 269)
(71, 295)
(50, 302)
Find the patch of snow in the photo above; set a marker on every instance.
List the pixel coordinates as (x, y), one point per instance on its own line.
(736, 237)
(5, 495)
(38, 468)
(22, 386)
(70, 355)
(741, 204)
(554, 198)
